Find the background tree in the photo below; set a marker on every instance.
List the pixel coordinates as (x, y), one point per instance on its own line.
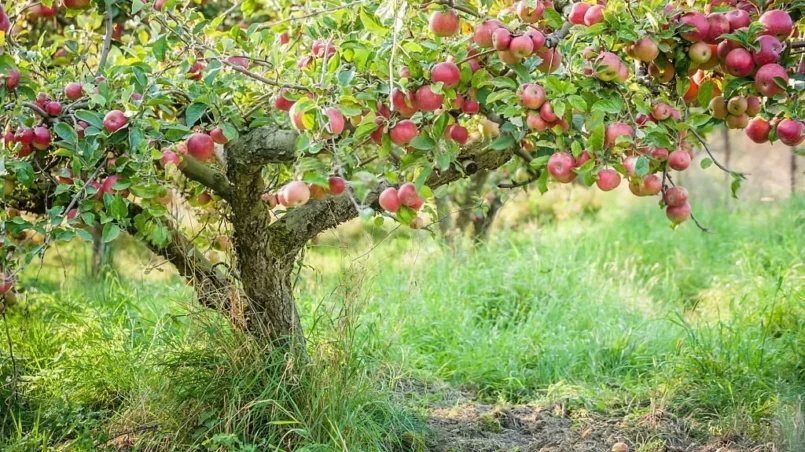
(270, 123)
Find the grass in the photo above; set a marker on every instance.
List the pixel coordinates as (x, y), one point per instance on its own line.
(619, 315)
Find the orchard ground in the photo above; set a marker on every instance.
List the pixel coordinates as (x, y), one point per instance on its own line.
(605, 326)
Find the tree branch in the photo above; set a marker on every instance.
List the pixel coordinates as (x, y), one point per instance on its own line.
(266, 144)
(107, 39)
(303, 223)
(553, 39)
(205, 175)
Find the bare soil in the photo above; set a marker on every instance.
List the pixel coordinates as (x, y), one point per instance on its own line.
(459, 423)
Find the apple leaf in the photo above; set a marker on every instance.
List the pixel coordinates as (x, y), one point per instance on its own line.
(110, 232)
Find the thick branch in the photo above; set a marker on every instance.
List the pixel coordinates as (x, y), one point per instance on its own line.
(303, 223)
(553, 39)
(266, 144)
(205, 175)
(214, 290)
(107, 39)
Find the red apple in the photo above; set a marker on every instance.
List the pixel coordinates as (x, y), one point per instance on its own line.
(389, 200)
(614, 131)
(535, 122)
(404, 104)
(501, 39)
(777, 23)
(594, 15)
(678, 214)
(660, 154)
(577, 11)
(679, 160)
(758, 130)
(696, 25)
(646, 50)
(459, 134)
(444, 23)
(201, 146)
(521, 46)
(483, 32)
(12, 79)
(528, 14)
(42, 138)
(675, 196)
(718, 25)
(114, 121)
(169, 158)
(790, 132)
(336, 121)
(427, 100)
(739, 63)
(537, 38)
(72, 91)
(546, 112)
(53, 108)
(608, 179)
(409, 197)
(447, 73)
(738, 18)
(403, 132)
(651, 185)
(770, 50)
(561, 165)
(336, 185)
(217, 135)
(471, 107)
(296, 193)
(753, 105)
(532, 95)
(764, 79)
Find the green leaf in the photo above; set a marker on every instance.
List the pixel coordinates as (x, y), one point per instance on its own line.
(542, 183)
(230, 131)
(613, 105)
(440, 125)
(91, 118)
(371, 24)
(502, 142)
(596, 140)
(119, 208)
(705, 93)
(423, 143)
(706, 162)
(85, 235)
(641, 166)
(578, 103)
(194, 112)
(66, 133)
(406, 215)
(110, 232)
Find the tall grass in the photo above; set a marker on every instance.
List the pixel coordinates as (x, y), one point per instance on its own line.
(619, 314)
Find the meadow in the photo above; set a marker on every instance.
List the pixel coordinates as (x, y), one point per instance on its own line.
(562, 335)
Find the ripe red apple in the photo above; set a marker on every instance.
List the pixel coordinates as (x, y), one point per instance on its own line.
(718, 25)
(577, 11)
(195, 71)
(114, 121)
(546, 112)
(217, 135)
(535, 122)
(679, 160)
(551, 59)
(5, 23)
(738, 18)
(53, 108)
(6, 283)
(700, 52)
(389, 200)
(758, 130)
(409, 197)
(169, 158)
(42, 138)
(404, 104)
(790, 132)
(678, 214)
(322, 46)
(403, 132)
(764, 79)
(282, 103)
(737, 105)
(501, 39)
(483, 32)
(661, 112)
(777, 23)
(646, 50)
(447, 73)
(459, 134)
(698, 22)
(770, 50)
(651, 185)
(675, 196)
(109, 182)
(471, 107)
(537, 38)
(616, 130)
(594, 15)
(561, 165)
(201, 146)
(608, 179)
(528, 14)
(72, 91)
(660, 154)
(336, 185)
(26, 136)
(336, 121)
(427, 100)
(444, 23)
(12, 79)
(532, 95)
(285, 38)
(739, 63)
(521, 46)
(296, 193)
(297, 117)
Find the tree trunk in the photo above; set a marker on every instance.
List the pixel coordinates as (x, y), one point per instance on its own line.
(482, 223)
(445, 219)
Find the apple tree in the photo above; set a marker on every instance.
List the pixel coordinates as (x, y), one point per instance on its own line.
(270, 122)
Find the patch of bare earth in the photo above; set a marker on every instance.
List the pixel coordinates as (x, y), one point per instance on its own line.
(459, 423)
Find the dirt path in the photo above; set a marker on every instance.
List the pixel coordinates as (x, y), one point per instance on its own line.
(458, 423)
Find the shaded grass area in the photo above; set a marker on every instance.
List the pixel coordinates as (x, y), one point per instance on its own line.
(620, 316)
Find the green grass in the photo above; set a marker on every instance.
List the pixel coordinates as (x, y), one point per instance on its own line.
(615, 315)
